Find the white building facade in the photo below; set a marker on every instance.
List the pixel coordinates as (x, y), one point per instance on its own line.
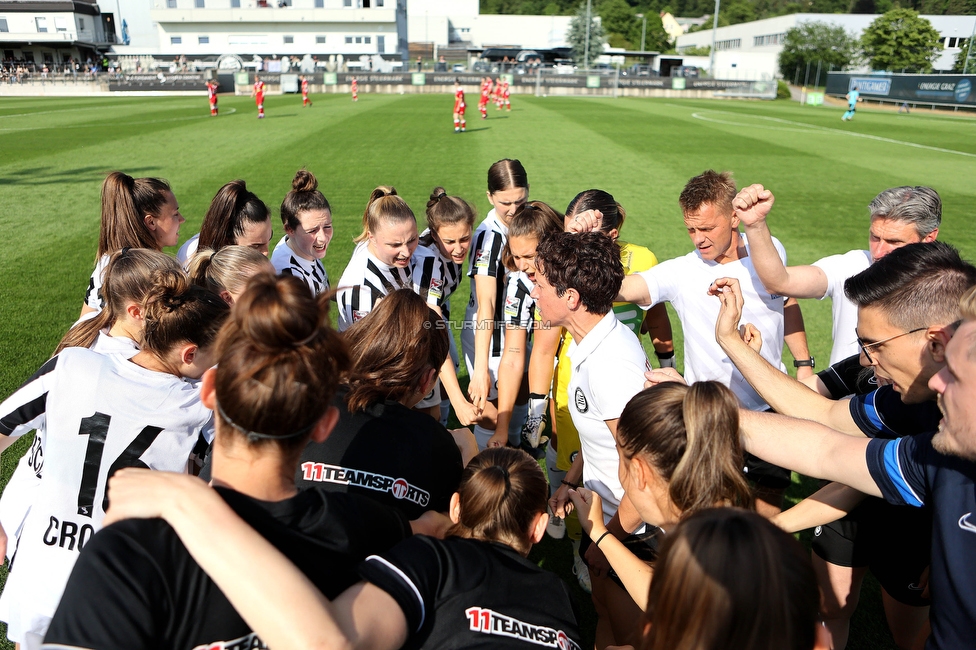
(751, 50)
(50, 32)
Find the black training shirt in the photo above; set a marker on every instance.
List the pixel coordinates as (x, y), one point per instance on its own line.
(397, 456)
(463, 593)
(136, 586)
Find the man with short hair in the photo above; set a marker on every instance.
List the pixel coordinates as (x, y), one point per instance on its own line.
(907, 306)
(936, 469)
(720, 250)
(899, 216)
(577, 277)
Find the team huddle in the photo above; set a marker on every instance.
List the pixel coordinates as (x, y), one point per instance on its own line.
(215, 466)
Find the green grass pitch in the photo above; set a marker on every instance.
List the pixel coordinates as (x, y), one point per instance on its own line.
(54, 154)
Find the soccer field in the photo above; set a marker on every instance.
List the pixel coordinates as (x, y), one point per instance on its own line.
(54, 154)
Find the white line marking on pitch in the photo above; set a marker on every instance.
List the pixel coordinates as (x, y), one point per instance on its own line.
(86, 125)
(826, 129)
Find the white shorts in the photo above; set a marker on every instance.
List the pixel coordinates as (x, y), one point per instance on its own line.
(16, 501)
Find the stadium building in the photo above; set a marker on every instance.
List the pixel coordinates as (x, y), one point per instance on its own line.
(49, 32)
(751, 50)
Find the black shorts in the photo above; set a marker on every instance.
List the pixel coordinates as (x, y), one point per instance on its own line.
(894, 542)
(766, 475)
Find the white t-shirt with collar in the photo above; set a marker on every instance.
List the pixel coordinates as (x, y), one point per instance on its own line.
(684, 282)
(608, 370)
(838, 268)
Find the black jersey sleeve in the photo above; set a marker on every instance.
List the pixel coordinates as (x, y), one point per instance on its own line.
(412, 573)
(115, 598)
(847, 377)
(25, 409)
(371, 526)
(898, 467)
(448, 468)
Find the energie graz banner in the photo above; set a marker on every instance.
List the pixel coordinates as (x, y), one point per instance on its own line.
(913, 88)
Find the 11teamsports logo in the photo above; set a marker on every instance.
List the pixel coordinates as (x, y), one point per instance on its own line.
(398, 487)
(249, 642)
(487, 621)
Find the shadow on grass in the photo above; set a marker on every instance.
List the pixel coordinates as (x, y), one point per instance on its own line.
(47, 176)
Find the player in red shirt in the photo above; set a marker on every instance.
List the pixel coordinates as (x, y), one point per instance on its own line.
(459, 123)
(505, 101)
(497, 93)
(258, 95)
(305, 100)
(355, 90)
(212, 94)
(485, 93)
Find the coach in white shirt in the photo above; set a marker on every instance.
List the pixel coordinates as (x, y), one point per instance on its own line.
(577, 277)
(899, 216)
(720, 251)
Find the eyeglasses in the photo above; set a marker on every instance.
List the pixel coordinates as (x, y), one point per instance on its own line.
(866, 346)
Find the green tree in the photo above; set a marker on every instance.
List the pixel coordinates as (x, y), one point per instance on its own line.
(576, 36)
(961, 60)
(817, 42)
(901, 40)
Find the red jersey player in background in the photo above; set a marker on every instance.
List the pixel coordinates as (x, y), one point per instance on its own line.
(305, 100)
(459, 106)
(355, 90)
(258, 95)
(496, 93)
(505, 101)
(485, 93)
(212, 94)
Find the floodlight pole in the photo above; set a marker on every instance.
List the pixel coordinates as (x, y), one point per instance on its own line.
(586, 47)
(969, 50)
(711, 62)
(643, 31)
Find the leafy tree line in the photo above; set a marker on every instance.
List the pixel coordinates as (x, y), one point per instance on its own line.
(900, 40)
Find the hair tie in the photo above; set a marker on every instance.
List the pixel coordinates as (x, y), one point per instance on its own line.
(253, 436)
(212, 255)
(125, 251)
(440, 196)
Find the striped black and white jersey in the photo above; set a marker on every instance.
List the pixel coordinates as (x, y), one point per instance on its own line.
(485, 259)
(367, 279)
(19, 494)
(188, 250)
(311, 272)
(519, 307)
(101, 413)
(93, 296)
(452, 271)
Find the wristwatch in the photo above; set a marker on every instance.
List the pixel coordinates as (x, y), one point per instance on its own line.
(804, 363)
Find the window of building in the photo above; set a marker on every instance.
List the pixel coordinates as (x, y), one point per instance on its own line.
(175, 40)
(367, 39)
(768, 39)
(203, 40)
(198, 4)
(348, 40)
(730, 44)
(41, 24)
(379, 3)
(289, 39)
(320, 4)
(235, 4)
(3, 26)
(359, 40)
(381, 44)
(60, 23)
(171, 4)
(346, 3)
(320, 39)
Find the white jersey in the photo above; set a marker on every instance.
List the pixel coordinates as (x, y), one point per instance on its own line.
(451, 271)
(608, 370)
(102, 413)
(485, 259)
(838, 268)
(19, 492)
(311, 272)
(187, 250)
(684, 282)
(93, 296)
(367, 279)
